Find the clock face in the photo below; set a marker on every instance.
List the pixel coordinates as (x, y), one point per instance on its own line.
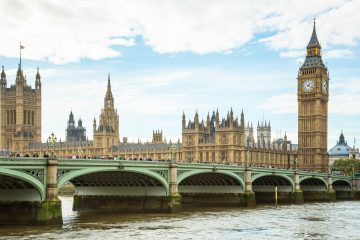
(324, 86)
(308, 85)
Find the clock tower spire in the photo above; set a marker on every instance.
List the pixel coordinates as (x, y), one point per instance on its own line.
(313, 96)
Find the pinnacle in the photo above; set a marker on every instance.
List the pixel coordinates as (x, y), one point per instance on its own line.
(314, 42)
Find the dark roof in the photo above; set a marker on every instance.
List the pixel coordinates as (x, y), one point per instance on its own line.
(341, 148)
(314, 42)
(313, 61)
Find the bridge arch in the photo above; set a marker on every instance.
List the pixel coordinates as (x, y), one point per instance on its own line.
(278, 180)
(210, 181)
(122, 177)
(264, 185)
(342, 185)
(30, 182)
(313, 184)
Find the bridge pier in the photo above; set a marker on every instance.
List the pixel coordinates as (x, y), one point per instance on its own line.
(249, 197)
(331, 194)
(175, 199)
(50, 210)
(297, 196)
(123, 204)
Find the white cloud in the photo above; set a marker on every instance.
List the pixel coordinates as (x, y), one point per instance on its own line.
(282, 103)
(68, 31)
(293, 54)
(338, 53)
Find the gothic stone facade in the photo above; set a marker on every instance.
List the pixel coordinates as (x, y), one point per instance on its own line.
(225, 140)
(20, 112)
(313, 97)
(106, 135)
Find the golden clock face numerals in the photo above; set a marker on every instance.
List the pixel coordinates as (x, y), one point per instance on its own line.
(308, 85)
(324, 87)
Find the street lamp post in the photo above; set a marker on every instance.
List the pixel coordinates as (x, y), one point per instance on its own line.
(172, 152)
(52, 140)
(248, 154)
(80, 152)
(296, 163)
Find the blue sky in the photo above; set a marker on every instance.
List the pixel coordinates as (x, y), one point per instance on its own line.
(166, 57)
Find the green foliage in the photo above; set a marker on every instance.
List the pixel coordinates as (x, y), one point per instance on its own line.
(346, 166)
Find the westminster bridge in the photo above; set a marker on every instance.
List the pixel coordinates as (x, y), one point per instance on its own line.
(29, 186)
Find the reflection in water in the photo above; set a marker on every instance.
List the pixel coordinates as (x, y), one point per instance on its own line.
(308, 221)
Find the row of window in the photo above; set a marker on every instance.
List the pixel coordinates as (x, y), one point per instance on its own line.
(28, 117)
(224, 140)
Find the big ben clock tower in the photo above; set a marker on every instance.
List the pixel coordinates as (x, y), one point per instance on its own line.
(313, 97)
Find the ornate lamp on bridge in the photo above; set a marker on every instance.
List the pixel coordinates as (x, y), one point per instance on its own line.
(296, 160)
(52, 140)
(80, 152)
(172, 151)
(248, 154)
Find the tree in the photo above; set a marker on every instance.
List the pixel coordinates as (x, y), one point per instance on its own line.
(347, 166)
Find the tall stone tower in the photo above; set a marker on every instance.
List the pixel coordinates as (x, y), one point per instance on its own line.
(20, 112)
(106, 135)
(264, 133)
(157, 136)
(75, 133)
(313, 96)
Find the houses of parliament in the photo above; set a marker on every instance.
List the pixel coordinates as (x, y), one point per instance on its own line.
(229, 139)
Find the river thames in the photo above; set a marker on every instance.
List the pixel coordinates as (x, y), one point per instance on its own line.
(337, 220)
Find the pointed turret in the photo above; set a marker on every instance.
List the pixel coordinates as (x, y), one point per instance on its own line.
(94, 124)
(285, 142)
(242, 119)
(3, 78)
(71, 121)
(19, 77)
(109, 100)
(183, 120)
(37, 80)
(208, 120)
(313, 49)
(314, 42)
(196, 120)
(217, 119)
(109, 84)
(341, 138)
(79, 122)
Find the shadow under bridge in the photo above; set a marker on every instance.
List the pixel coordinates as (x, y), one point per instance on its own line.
(210, 182)
(118, 183)
(264, 188)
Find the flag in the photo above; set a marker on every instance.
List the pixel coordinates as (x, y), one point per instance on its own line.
(21, 46)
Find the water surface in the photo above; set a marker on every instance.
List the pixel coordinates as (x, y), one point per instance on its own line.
(338, 220)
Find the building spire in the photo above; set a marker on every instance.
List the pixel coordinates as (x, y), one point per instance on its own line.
(314, 42)
(109, 84)
(3, 75)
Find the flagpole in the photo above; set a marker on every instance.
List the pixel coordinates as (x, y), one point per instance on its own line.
(20, 54)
